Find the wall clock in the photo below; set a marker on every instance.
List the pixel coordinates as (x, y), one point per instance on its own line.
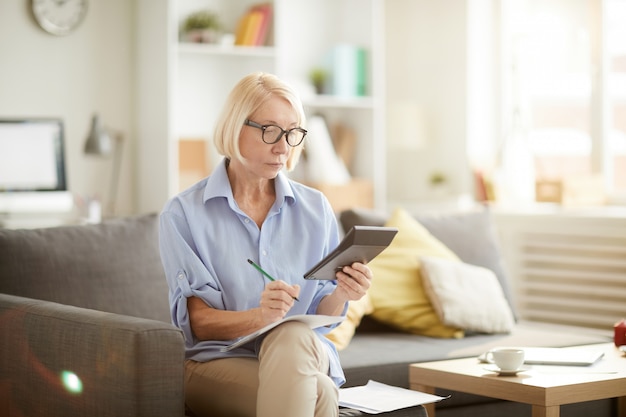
(59, 17)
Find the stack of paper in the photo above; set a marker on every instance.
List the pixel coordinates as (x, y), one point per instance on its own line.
(376, 398)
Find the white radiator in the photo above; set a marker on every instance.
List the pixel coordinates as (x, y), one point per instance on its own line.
(566, 268)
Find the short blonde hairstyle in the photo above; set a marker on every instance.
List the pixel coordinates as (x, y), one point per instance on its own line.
(248, 95)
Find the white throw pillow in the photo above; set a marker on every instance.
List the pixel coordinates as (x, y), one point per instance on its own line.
(466, 296)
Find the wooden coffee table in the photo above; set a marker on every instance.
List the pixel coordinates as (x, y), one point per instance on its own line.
(545, 388)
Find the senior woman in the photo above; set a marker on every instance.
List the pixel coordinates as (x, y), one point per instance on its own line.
(249, 209)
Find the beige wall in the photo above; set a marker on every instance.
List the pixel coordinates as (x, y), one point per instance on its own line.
(440, 65)
(90, 70)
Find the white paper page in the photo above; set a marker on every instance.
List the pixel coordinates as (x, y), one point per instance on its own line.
(313, 320)
(376, 398)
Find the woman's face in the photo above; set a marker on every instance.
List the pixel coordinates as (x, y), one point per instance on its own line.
(259, 158)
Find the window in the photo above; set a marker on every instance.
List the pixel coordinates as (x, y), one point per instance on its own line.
(616, 51)
(565, 82)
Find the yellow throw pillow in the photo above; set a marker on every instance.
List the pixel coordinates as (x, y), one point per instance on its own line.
(342, 334)
(397, 293)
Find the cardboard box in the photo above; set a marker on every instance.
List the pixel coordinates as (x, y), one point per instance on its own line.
(577, 191)
(358, 192)
(549, 191)
(193, 162)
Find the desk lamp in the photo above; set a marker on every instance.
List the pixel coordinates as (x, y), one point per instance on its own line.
(104, 142)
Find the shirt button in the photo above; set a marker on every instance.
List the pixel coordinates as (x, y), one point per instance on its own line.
(181, 276)
(247, 220)
(264, 253)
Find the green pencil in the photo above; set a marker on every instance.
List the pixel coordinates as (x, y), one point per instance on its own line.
(265, 273)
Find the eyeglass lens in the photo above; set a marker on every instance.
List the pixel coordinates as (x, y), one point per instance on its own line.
(272, 134)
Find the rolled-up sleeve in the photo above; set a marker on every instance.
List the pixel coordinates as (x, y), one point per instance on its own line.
(186, 274)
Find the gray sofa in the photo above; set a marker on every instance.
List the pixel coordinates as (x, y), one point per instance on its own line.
(84, 324)
(89, 303)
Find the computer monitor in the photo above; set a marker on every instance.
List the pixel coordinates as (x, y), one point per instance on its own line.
(32, 166)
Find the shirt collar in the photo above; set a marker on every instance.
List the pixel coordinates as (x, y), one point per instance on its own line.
(218, 185)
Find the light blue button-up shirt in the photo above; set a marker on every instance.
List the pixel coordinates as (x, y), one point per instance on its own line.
(205, 241)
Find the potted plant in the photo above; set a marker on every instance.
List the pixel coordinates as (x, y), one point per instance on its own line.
(318, 78)
(437, 179)
(201, 26)
(439, 183)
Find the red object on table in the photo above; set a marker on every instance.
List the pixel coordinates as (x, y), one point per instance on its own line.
(620, 333)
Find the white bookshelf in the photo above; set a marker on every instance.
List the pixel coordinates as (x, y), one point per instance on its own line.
(182, 97)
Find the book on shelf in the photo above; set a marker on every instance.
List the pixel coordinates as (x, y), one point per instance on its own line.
(348, 73)
(253, 27)
(481, 192)
(264, 30)
(240, 33)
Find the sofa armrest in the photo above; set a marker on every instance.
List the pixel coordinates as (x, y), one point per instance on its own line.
(62, 360)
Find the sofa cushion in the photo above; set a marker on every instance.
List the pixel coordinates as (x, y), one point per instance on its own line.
(470, 234)
(397, 292)
(114, 266)
(466, 296)
(342, 334)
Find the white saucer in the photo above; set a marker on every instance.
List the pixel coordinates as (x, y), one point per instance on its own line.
(505, 372)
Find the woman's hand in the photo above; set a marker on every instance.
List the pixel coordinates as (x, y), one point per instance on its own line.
(208, 323)
(276, 300)
(353, 281)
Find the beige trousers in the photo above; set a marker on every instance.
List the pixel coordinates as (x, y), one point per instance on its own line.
(289, 378)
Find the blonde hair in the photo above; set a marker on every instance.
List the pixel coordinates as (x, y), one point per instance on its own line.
(248, 95)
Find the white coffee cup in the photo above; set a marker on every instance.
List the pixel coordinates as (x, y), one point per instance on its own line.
(507, 359)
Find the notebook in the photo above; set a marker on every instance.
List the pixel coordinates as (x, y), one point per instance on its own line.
(558, 356)
(562, 356)
(312, 320)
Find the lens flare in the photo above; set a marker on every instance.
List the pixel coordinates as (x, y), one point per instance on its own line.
(71, 382)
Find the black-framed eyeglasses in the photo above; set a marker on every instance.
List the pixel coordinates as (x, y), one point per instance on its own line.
(272, 133)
